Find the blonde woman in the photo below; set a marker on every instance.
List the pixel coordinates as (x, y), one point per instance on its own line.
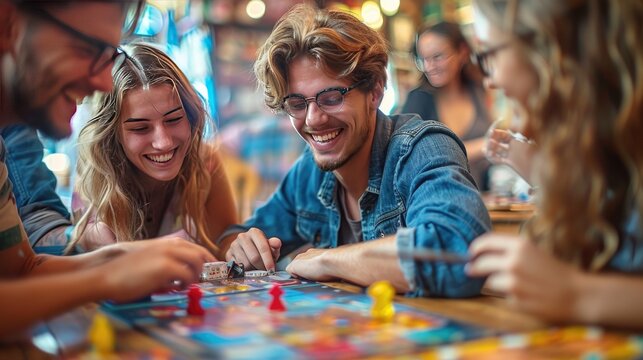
(576, 67)
(144, 167)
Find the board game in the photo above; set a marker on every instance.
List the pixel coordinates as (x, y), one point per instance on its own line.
(318, 322)
(570, 342)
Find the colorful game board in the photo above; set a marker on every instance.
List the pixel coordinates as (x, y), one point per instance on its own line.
(573, 342)
(319, 322)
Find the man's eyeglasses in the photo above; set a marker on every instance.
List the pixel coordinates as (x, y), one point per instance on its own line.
(106, 54)
(328, 100)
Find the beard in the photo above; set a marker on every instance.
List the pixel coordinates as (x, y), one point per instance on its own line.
(30, 93)
(361, 135)
(39, 119)
(334, 165)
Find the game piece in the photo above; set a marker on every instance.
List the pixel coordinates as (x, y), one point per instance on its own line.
(276, 304)
(256, 273)
(101, 334)
(214, 270)
(235, 270)
(194, 301)
(382, 293)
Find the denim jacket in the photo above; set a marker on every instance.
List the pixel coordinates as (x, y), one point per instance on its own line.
(34, 187)
(419, 188)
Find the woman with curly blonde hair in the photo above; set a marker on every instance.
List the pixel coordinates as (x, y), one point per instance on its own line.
(144, 168)
(576, 68)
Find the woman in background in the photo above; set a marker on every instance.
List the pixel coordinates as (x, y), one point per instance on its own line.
(451, 91)
(576, 68)
(144, 168)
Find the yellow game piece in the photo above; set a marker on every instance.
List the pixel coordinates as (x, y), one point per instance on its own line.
(382, 293)
(101, 334)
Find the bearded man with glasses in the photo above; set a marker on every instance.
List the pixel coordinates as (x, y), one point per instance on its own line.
(370, 189)
(52, 55)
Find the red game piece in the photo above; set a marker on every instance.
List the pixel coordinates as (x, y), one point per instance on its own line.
(276, 304)
(194, 301)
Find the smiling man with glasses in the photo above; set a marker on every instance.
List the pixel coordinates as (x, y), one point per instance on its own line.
(64, 57)
(53, 54)
(328, 100)
(368, 186)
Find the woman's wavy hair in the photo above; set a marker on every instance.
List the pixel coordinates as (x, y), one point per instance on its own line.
(585, 115)
(342, 45)
(470, 74)
(105, 175)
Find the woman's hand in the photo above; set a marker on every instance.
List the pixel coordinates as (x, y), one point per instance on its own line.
(510, 148)
(147, 266)
(532, 279)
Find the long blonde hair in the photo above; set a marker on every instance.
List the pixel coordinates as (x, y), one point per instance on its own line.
(105, 175)
(585, 115)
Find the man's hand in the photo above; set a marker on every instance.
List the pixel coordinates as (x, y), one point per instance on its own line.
(254, 250)
(311, 265)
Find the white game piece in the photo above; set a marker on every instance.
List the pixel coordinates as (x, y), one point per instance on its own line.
(214, 270)
(256, 273)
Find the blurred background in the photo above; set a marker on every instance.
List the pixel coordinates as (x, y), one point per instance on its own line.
(215, 43)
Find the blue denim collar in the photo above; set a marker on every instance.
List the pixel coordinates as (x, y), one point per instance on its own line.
(326, 193)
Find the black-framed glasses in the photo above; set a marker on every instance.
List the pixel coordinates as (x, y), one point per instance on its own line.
(482, 58)
(328, 100)
(106, 54)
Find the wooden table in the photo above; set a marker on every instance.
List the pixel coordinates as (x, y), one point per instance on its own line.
(509, 218)
(487, 311)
